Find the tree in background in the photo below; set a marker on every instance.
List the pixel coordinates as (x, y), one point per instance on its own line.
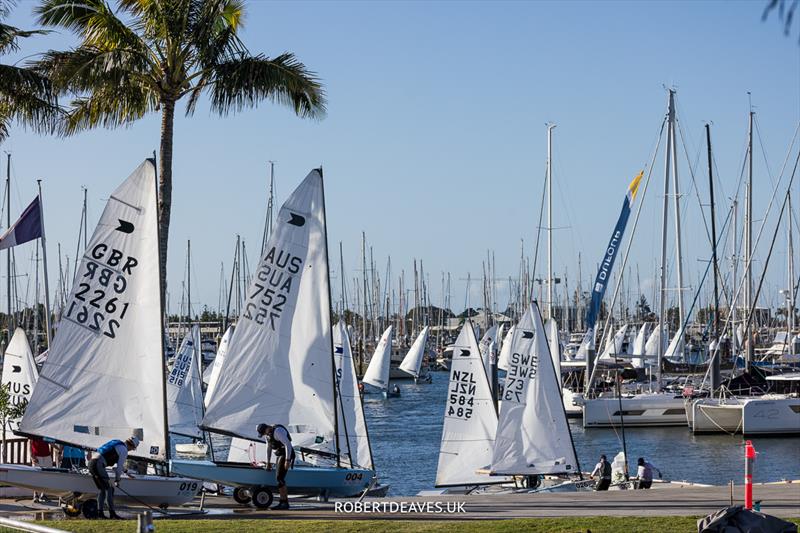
(25, 95)
(144, 56)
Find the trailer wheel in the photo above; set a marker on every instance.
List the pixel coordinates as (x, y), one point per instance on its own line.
(89, 508)
(241, 495)
(71, 511)
(262, 497)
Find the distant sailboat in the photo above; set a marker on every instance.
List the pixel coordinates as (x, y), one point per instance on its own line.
(185, 395)
(19, 372)
(377, 374)
(412, 362)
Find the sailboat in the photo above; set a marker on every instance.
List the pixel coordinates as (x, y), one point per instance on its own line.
(185, 396)
(412, 362)
(216, 366)
(377, 374)
(19, 373)
(104, 375)
(533, 436)
(279, 367)
(470, 419)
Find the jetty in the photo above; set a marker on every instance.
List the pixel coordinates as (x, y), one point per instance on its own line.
(779, 499)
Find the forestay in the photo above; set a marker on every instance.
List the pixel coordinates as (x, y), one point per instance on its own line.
(532, 434)
(184, 392)
(279, 366)
(470, 420)
(353, 436)
(412, 362)
(216, 367)
(104, 375)
(19, 372)
(377, 373)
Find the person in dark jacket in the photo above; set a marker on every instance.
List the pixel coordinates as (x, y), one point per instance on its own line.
(112, 453)
(603, 471)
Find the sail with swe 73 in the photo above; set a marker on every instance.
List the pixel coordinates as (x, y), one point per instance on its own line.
(533, 436)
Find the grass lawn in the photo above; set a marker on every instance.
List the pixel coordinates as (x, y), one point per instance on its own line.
(602, 524)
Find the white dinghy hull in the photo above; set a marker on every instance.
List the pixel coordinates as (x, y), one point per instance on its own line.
(157, 491)
(308, 480)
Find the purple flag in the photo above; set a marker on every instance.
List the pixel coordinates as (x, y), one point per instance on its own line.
(27, 227)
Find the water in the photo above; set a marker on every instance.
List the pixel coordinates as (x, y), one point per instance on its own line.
(405, 433)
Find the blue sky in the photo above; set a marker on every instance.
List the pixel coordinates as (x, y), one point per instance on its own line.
(435, 143)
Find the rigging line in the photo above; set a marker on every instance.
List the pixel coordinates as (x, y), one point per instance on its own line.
(539, 228)
(763, 150)
(694, 184)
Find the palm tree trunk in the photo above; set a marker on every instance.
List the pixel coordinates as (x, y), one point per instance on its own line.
(165, 187)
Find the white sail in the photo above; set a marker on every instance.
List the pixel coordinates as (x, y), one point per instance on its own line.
(184, 391)
(555, 347)
(485, 345)
(19, 372)
(614, 344)
(651, 348)
(532, 433)
(377, 373)
(640, 341)
(353, 436)
(412, 362)
(505, 350)
(470, 420)
(216, 367)
(104, 374)
(675, 348)
(279, 365)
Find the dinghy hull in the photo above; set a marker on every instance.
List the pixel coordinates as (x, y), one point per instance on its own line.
(341, 482)
(157, 491)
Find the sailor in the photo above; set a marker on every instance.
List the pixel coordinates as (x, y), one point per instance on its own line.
(644, 474)
(396, 389)
(603, 470)
(278, 439)
(113, 452)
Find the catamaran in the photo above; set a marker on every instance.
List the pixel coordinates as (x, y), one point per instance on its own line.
(279, 367)
(104, 375)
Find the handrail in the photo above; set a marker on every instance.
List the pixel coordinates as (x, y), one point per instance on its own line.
(27, 526)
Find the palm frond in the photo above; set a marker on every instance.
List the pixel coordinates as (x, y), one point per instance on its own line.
(84, 68)
(241, 83)
(111, 106)
(9, 37)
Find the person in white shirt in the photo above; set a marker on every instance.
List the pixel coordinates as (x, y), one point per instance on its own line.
(112, 453)
(279, 440)
(644, 474)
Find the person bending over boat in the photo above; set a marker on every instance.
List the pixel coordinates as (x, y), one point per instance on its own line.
(644, 474)
(602, 469)
(112, 453)
(279, 440)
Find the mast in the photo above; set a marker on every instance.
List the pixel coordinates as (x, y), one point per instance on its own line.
(550, 128)
(44, 266)
(790, 286)
(678, 246)
(715, 361)
(734, 279)
(748, 239)
(333, 361)
(665, 214)
(364, 315)
(268, 217)
(8, 252)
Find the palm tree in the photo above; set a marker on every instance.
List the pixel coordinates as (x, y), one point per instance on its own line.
(145, 55)
(25, 95)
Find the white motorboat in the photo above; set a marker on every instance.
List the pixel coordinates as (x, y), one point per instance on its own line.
(638, 410)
